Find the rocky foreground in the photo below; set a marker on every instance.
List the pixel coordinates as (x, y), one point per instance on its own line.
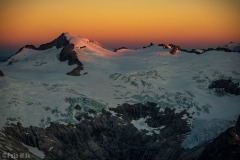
(116, 135)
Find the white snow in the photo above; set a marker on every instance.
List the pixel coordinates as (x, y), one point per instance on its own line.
(199, 50)
(36, 86)
(35, 151)
(86, 49)
(50, 148)
(141, 124)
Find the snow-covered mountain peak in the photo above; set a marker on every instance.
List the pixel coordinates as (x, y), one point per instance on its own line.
(85, 48)
(75, 39)
(72, 37)
(68, 47)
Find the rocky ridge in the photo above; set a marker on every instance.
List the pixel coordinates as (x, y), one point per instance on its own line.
(110, 134)
(227, 86)
(118, 133)
(231, 47)
(67, 53)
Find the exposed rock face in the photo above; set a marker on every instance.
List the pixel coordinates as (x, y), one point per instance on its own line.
(196, 51)
(227, 85)
(192, 154)
(1, 74)
(76, 71)
(172, 45)
(82, 47)
(103, 135)
(69, 54)
(174, 49)
(225, 49)
(225, 147)
(66, 54)
(164, 46)
(60, 42)
(151, 44)
(28, 47)
(120, 49)
(238, 122)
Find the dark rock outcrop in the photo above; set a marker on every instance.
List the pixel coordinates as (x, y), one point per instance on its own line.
(59, 42)
(82, 47)
(164, 46)
(68, 54)
(192, 154)
(76, 71)
(174, 49)
(31, 46)
(196, 51)
(78, 107)
(150, 45)
(225, 147)
(171, 45)
(120, 49)
(227, 85)
(1, 74)
(11, 62)
(103, 135)
(224, 49)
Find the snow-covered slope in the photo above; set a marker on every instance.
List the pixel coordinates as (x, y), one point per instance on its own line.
(86, 48)
(35, 91)
(233, 46)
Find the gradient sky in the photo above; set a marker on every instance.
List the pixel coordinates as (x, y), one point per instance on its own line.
(130, 23)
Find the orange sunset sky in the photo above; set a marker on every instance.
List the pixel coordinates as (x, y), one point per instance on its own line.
(116, 23)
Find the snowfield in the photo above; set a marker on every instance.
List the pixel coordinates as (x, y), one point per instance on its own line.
(37, 91)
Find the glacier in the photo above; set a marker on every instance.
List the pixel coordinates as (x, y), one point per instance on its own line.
(36, 91)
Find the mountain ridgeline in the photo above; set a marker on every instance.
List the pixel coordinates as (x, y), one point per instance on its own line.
(69, 50)
(73, 98)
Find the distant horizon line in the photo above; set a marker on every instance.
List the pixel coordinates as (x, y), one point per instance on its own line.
(113, 45)
(16, 47)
